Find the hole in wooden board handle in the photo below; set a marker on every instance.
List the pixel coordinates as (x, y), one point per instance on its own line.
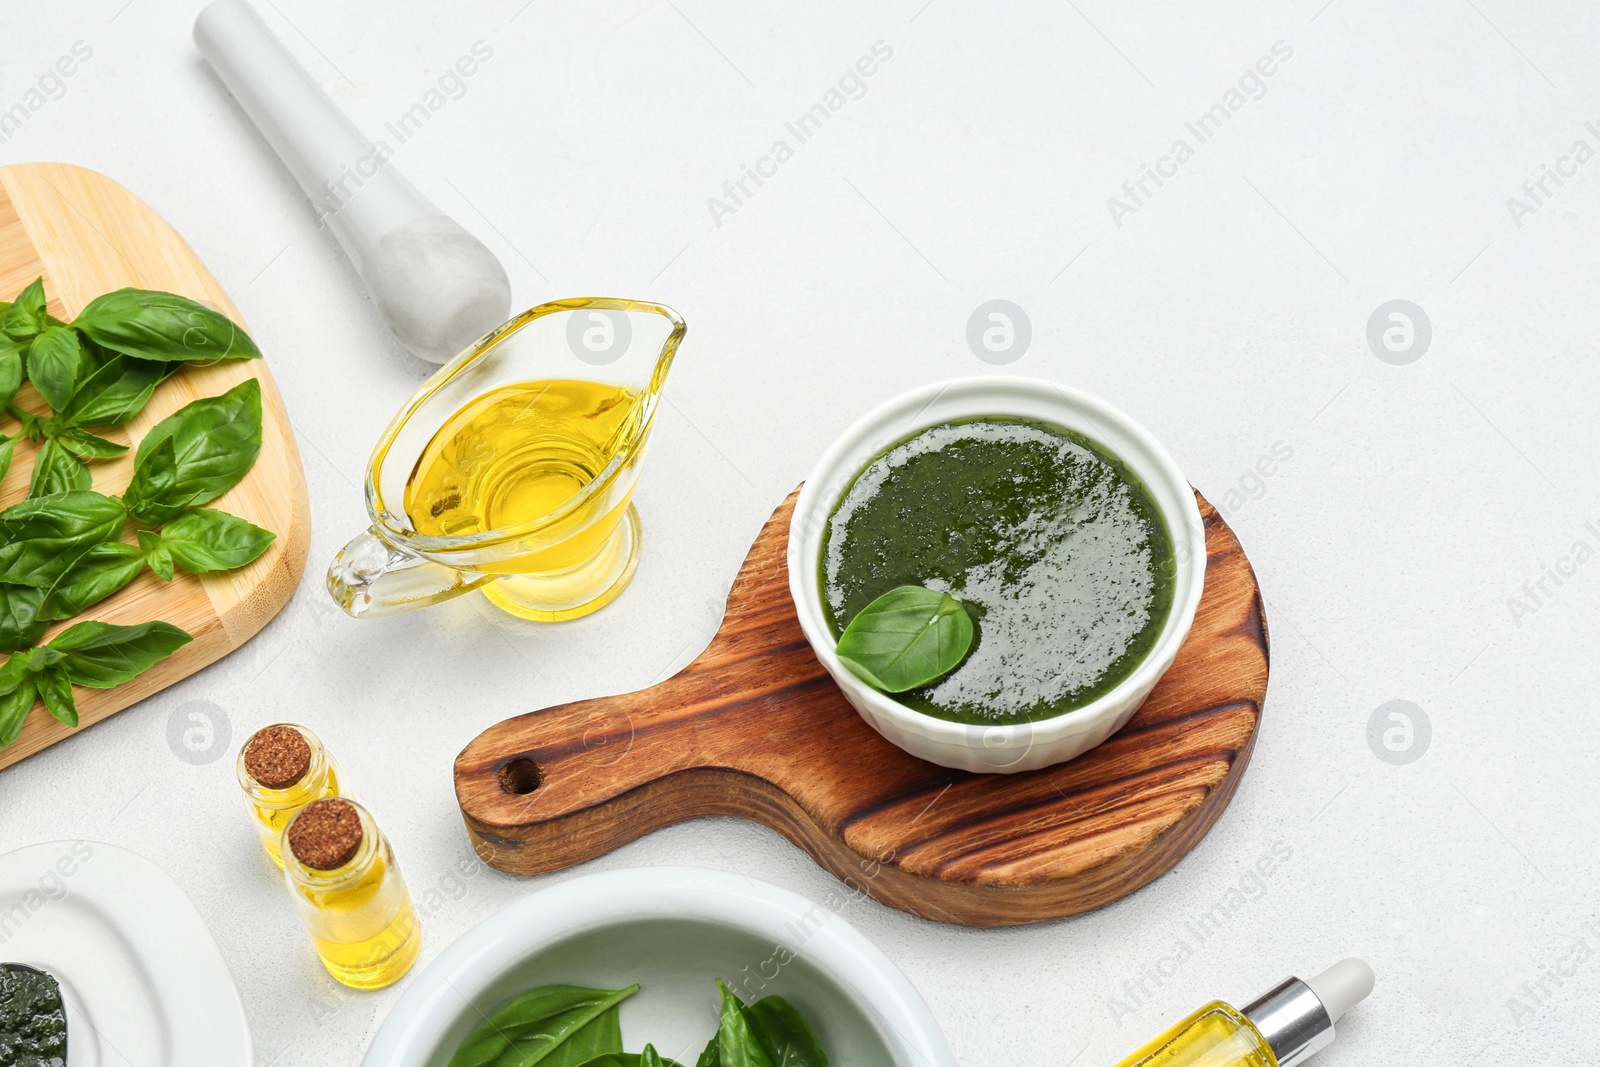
(521, 776)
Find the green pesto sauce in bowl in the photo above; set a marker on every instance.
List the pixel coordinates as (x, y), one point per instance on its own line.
(1055, 547)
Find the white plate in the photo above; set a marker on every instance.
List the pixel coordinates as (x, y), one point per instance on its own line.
(143, 981)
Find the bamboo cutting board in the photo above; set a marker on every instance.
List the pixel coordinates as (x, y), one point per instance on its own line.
(88, 235)
(755, 728)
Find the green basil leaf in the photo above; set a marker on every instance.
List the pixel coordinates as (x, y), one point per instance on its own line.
(552, 1026)
(196, 454)
(97, 356)
(114, 393)
(737, 1044)
(10, 370)
(56, 470)
(32, 425)
(40, 658)
(100, 655)
(85, 445)
(8, 451)
(204, 539)
(26, 317)
(907, 637)
(155, 477)
(162, 326)
(648, 1058)
(201, 420)
(14, 708)
(158, 555)
(768, 1033)
(56, 689)
(15, 670)
(20, 621)
(55, 361)
(42, 537)
(98, 573)
(785, 1036)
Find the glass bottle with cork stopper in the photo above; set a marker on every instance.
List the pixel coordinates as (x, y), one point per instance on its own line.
(350, 894)
(282, 768)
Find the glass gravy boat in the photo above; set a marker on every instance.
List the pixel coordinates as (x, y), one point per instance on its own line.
(512, 469)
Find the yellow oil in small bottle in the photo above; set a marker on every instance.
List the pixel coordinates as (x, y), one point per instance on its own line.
(270, 809)
(359, 915)
(1218, 1035)
(348, 937)
(518, 454)
(1289, 1023)
(272, 814)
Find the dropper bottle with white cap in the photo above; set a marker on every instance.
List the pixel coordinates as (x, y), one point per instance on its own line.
(1283, 1027)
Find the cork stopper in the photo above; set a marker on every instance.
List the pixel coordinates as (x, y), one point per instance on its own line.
(277, 757)
(326, 834)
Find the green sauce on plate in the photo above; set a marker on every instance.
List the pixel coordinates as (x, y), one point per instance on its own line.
(33, 1021)
(1055, 547)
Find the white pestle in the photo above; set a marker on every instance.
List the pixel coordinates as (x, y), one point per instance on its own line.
(436, 285)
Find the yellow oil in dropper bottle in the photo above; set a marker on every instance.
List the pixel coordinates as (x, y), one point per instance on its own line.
(1284, 1027)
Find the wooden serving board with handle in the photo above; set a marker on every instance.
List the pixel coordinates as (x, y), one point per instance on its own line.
(755, 728)
(88, 235)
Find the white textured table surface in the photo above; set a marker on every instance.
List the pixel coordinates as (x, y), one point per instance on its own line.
(1401, 518)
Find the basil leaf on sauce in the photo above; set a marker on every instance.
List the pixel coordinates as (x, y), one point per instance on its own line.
(552, 1026)
(162, 326)
(907, 637)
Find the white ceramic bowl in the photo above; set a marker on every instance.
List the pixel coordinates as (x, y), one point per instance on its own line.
(673, 930)
(1025, 746)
